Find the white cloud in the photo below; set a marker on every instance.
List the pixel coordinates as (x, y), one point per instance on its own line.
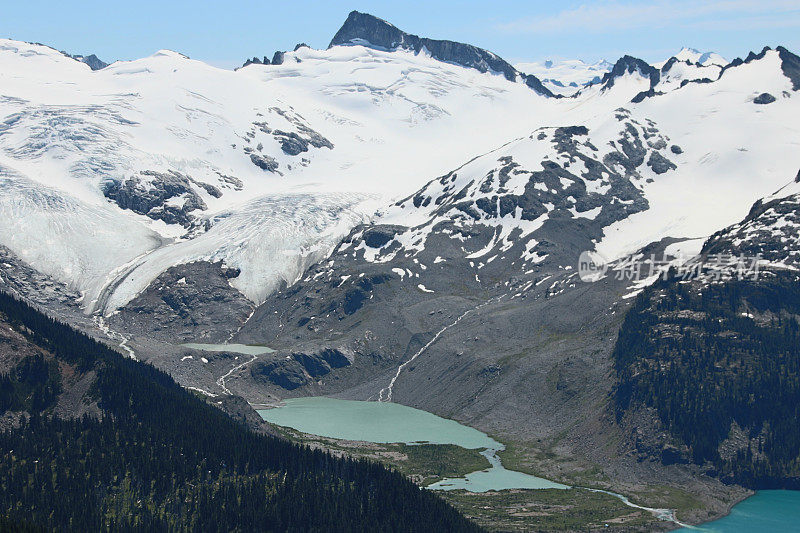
(612, 16)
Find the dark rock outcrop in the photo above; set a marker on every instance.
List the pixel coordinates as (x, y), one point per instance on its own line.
(659, 163)
(150, 193)
(378, 236)
(293, 142)
(94, 62)
(264, 162)
(287, 374)
(629, 65)
(764, 98)
(257, 61)
(277, 58)
(191, 302)
(320, 363)
(300, 368)
(790, 64)
(645, 94)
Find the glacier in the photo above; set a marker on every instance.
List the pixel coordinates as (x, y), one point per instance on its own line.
(269, 166)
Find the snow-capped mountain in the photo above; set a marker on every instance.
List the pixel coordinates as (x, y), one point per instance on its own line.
(464, 296)
(597, 176)
(770, 231)
(697, 57)
(623, 177)
(399, 218)
(566, 77)
(675, 72)
(365, 29)
(112, 176)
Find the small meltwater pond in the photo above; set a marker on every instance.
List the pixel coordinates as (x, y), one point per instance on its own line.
(245, 349)
(386, 422)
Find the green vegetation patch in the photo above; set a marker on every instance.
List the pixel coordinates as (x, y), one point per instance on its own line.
(438, 461)
(425, 464)
(32, 385)
(551, 510)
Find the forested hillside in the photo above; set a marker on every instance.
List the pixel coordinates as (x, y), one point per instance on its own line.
(720, 364)
(160, 459)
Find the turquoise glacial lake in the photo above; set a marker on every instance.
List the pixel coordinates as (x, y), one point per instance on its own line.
(773, 511)
(386, 422)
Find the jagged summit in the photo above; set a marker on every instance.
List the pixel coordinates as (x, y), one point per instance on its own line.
(365, 29)
(629, 65)
(790, 63)
(94, 62)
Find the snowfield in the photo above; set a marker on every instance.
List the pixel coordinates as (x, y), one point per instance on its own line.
(565, 77)
(109, 177)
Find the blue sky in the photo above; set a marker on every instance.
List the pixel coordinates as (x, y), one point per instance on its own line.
(225, 33)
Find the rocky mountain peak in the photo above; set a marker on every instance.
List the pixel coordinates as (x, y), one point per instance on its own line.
(790, 64)
(360, 28)
(368, 30)
(94, 62)
(628, 65)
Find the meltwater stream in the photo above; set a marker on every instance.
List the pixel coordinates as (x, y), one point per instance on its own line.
(245, 349)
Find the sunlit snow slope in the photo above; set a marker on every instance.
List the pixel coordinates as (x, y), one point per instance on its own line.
(567, 76)
(681, 164)
(109, 177)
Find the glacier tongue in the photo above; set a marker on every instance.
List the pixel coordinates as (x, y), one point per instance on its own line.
(66, 238)
(272, 240)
